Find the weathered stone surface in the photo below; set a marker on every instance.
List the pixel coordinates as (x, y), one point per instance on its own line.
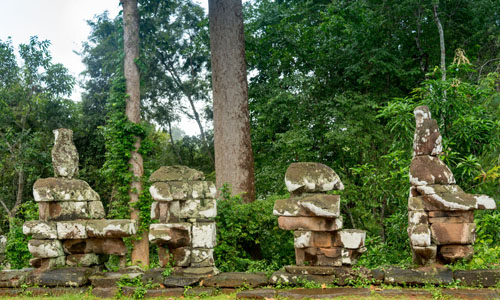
(202, 257)
(310, 223)
(311, 177)
(173, 173)
(96, 210)
(424, 255)
(82, 260)
(417, 217)
(63, 210)
(64, 154)
(417, 204)
(236, 279)
(191, 271)
(203, 208)
(427, 275)
(180, 190)
(319, 293)
(13, 278)
(48, 263)
(348, 238)
(427, 139)
(453, 233)
(45, 248)
(451, 201)
(181, 281)
(105, 292)
(482, 278)
(456, 217)
(257, 294)
(203, 189)
(97, 246)
(40, 230)
(154, 276)
(311, 270)
(71, 277)
(109, 279)
(485, 202)
(160, 191)
(350, 256)
(288, 278)
(173, 235)
(204, 235)
(351, 238)
(321, 205)
(452, 253)
(438, 189)
(426, 170)
(166, 212)
(318, 256)
(60, 189)
(71, 230)
(420, 235)
(111, 228)
(181, 256)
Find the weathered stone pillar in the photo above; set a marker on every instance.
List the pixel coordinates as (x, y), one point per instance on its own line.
(185, 207)
(71, 230)
(440, 214)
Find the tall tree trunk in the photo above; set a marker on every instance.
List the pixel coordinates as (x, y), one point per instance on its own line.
(233, 149)
(441, 43)
(140, 253)
(179, 158)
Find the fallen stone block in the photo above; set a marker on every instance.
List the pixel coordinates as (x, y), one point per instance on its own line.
(181, 281)
(426, 170)
(105, 292)
(310, 223)
(60, 189)
(109, 279)
(257, 294)
(203, 190)
(48, 263)
(14, 278)
(45, 248)
(309, 205)
(236, 279)
(70, 277)
(318, 293)
(422, 276)
(191, 271)
(71, 230)
(480, 278)
(203, 209)
(82, 260)
(311, 177)
(453, 233)
(40, 230)
(282, 277)
(204, 235)
(173, 235)
(172, 173)
(97, 246)
(63, 210)
(110, 228)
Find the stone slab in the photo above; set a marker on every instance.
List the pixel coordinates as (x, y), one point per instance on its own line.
(173, 235)
(427, 170)
(40, 230)
(176, 173)
(69, 277)
(422, 276)
(97, 246)
(236, 279)
(198, 208)
(319, 293)
(14, 278)
(308, 205)
(109, 279)
(60, 189)
(310, 223)
(311, 177)
(45, 248)
(482, 278)
(110, 228)
(257, 294)
(181, 281)
(453, 233)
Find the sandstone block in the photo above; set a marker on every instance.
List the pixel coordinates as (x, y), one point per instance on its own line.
(453, 233)
(82, 260)
(420, 235)
(310, 223)
(45, 248)
(202, 208)
(64, 154)
(48, 263)
(308, 205)
(97, 246)
(111, 228)
(452, 253)
(176, 173)
(202, 257)
(237, 279)
(173, 235)
(160, 191)
(180, 190)
(451, 201)
(426, 170)
(318, 257)
(417, 217)
(63, 210)
(438, 189)
(40, 230)
(71, 230)
(351, 238)
(60, 189)
(485, 202)
(182, 256)
(451, 217)
(165, 212)
(96, 210)
(417, 204)
(203, 189)
(311, 177)
(427, 139)
(72, 277)
(204, 235)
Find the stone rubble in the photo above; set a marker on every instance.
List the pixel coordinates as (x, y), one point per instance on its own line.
(71, 230)
(319, 239)
(440, 214)
(185, 208)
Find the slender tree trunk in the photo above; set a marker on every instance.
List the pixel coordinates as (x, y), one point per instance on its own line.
(173, 143)
(202, 132)
(441, 43)
(140, 253)
(233, 149)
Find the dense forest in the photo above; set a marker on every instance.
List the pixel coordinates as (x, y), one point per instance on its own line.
(333, 82)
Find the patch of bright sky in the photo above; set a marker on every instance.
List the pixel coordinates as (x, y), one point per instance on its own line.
(64, 23)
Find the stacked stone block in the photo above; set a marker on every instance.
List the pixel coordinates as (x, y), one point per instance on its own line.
(71, 230)
(440, 214)
(315, 217)
(185, 208)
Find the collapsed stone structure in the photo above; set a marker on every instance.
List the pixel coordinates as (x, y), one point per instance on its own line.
(315, 217)
(71, 230)
(440, 214)
(185, 207)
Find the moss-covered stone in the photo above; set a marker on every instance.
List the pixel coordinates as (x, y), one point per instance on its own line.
(60, 189)
(311, 177)
(64, 154)
(176, 173)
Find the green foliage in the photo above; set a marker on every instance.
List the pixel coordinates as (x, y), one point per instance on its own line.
(16, 250)
(248, 237)
(140, 288)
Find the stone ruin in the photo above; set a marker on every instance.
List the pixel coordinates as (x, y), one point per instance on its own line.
(315, 216)
(185, 207)
(440, 214)
(71, 230)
